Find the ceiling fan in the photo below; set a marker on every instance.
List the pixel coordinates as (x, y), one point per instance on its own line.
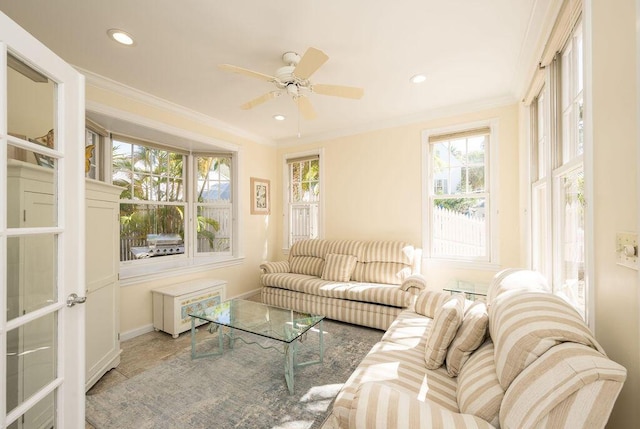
(293, 79)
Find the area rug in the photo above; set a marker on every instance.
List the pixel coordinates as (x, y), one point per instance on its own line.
(242, 388)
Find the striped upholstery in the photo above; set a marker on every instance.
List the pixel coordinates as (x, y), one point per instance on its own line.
(469, 337)
(409, 329)
(445, 325)
(570, 386)
(338, 267)
(541, 368)
(344, 247)
(430, 301)
(274, 267)
(516, 280)
(360, 313)
(384, 262)
(525, 325)
(307, 257)
(414, 283)
(479, 392)
(376, 293)
(309, 265)
(402, 369)
(381, 407)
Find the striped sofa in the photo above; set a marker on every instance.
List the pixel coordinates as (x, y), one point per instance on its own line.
(362, 282)
(525, 359)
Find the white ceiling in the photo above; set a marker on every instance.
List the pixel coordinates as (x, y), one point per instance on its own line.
(473, 52)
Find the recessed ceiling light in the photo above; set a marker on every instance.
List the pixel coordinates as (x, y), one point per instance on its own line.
(121, 37)
(418, 78)
(279, 117)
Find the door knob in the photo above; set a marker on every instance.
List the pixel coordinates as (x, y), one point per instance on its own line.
(74, 299)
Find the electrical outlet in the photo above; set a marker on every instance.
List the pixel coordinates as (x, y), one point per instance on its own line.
(627, 249)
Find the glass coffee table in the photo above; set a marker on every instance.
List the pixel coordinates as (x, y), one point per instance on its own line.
(285, 326)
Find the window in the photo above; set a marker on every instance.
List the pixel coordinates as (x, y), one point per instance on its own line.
(557, 193)
(95, 142)
(303, 202)
(459, 197)
(170, 196)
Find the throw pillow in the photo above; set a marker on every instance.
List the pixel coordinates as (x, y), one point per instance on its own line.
(429, 302)
(338, 268)
(469, 337)
(445, 326)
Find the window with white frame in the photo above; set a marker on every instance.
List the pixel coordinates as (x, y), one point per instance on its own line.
(558, 176)
(303, 198)
(459, 195)
(174, 204)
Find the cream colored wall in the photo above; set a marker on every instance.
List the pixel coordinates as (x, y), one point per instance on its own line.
(615, 204)
(256, 160)
(373, 187)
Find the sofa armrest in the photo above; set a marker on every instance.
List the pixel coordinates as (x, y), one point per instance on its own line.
(378, 406)
(414, 284)
(274, 267)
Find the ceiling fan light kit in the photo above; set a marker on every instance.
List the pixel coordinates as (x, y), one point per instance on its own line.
(293, 80)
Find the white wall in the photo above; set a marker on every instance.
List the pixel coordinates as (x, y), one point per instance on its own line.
(615, 204)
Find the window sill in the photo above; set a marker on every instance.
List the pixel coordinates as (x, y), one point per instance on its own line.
(133, 274)
(460, 264)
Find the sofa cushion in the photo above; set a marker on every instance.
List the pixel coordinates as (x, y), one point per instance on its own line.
(338, 267)
(377, 293)
(381, 272)
(469, 337)
(308, 265)
(382, 407)
(409, 329)
(384, 262)
(429, 302)
(402, 369)
(445, 326)
(525, 325)
(387, 251)
(479, 392)
(344, 247)
(307, 257)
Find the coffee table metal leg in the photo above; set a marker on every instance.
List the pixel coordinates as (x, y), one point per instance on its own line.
(193, 338)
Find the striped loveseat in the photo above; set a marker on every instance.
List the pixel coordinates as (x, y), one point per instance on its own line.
(362, 282)
(524, 360)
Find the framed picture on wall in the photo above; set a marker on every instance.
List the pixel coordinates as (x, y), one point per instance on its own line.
(260, 196)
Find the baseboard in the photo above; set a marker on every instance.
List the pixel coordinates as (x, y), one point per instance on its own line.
(124, 336)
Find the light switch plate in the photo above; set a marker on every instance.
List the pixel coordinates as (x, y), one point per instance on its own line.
(623, 241)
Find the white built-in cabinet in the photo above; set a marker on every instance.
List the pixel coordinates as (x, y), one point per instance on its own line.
(31, 278)
(102, 287)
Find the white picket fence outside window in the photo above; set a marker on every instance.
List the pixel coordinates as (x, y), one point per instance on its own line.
(457, 234)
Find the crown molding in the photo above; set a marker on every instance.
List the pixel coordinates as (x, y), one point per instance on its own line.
(429, 115)
(107, 84)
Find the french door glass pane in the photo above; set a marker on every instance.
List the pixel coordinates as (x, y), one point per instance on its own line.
(31, 273)
(31, 359)
(571, 236)
(30, 104)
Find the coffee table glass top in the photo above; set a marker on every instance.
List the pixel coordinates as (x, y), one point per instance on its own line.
(271, 322)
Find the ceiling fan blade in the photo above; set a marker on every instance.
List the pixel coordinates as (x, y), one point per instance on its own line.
(265, 97)
(246, 72)
(310, 62)
(305, 108)
(338, 91)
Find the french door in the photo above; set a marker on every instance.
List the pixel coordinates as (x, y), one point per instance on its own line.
(41, 235)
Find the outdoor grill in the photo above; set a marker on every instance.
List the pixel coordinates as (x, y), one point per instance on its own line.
(159, 245)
